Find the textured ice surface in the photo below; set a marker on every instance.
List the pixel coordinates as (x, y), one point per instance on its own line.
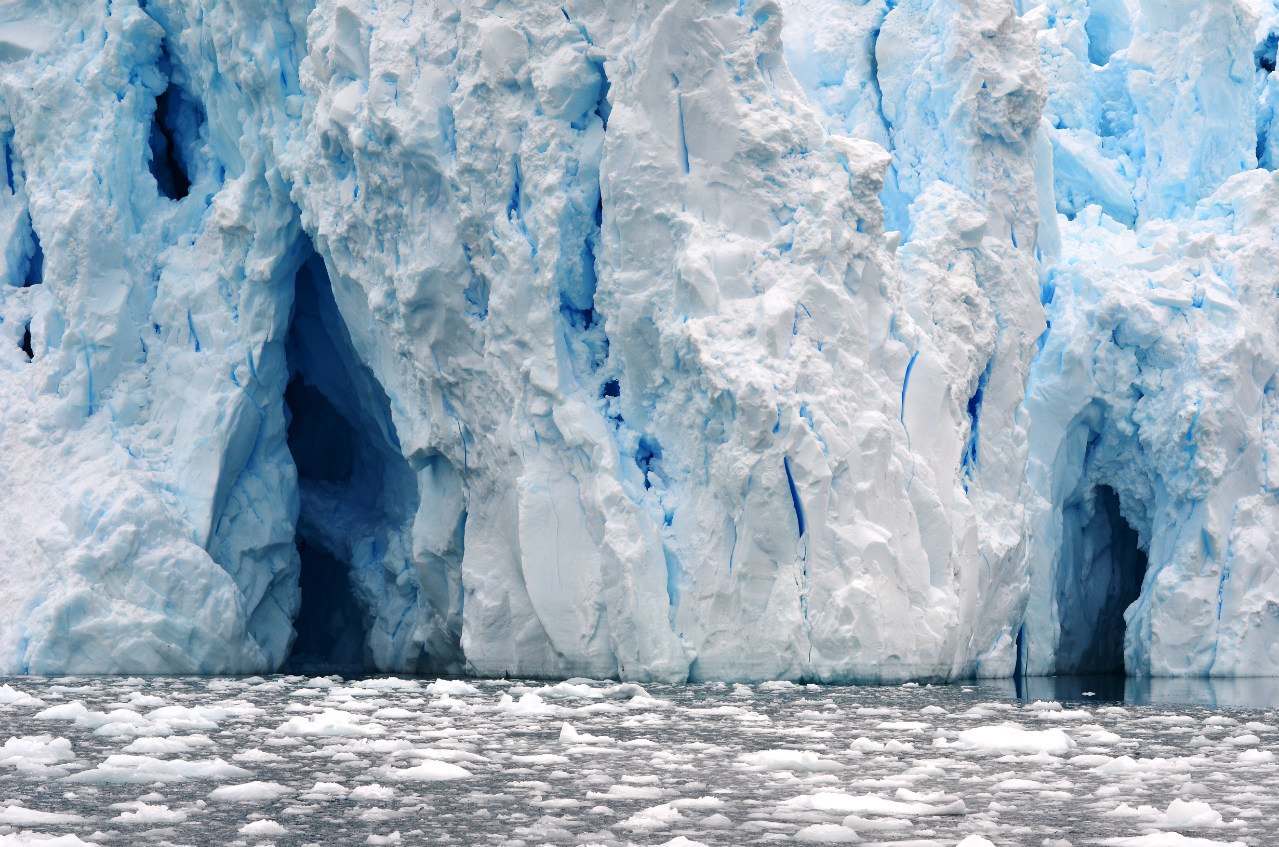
(663, 341)
(624, 766)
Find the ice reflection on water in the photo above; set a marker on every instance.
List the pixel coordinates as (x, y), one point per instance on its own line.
(296, 761)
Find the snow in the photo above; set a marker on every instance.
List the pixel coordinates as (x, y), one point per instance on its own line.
(800, 341)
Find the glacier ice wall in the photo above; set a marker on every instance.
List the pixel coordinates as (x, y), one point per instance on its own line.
(672, 340)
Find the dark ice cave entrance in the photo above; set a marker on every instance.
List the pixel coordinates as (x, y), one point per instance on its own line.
(1100, 575)
(174, 136)
(352, 481)
(330, 624)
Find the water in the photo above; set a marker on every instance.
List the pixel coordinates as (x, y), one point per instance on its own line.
(295, 761)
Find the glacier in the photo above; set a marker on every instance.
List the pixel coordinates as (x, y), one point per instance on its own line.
(826, 340)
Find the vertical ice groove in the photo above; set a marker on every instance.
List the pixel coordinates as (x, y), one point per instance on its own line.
(794, 496)
(682, 148)
(6, 149)
(34, 272)
(969, 460)
(906, 383)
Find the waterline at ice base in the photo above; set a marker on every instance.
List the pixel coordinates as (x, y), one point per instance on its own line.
(660, 340)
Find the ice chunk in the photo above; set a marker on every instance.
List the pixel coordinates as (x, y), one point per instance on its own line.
(657, 817)
(10, 696)
(20, 816)
(250, 792)
(131, 769)
(452, 687)
(146, 813)
(1167, 839)
(789, 760)
(27, 839)
(372, 793)
(334, 723)
(871, 804)
(1011, 738)
(430, 770)
(826, 833)
(570, 735)
(36, 749)
(1192, 814)
(263, 828)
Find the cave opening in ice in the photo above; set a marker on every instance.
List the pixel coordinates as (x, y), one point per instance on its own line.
(330, 624)
(175, 133)
(1100, 575)
(355, 489)
(35, 263)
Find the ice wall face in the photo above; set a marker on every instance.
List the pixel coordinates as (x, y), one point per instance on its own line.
(1154, 379)
(141, 421)
(641, 289)
(568, 339)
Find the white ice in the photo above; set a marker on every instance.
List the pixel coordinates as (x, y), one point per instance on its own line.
(770, 340)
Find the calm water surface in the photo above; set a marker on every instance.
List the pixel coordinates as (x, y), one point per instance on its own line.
(297, 760)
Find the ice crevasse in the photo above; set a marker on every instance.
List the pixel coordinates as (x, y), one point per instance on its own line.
(836, 340)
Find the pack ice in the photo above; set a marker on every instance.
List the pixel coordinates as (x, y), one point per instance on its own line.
(676, 339)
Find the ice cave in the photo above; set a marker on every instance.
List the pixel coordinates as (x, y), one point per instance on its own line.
(355, 489)
(1099, 578)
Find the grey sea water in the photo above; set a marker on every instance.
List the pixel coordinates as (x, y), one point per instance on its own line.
(298, 760)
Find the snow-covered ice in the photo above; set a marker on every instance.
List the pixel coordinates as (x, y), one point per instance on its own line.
(671, 341)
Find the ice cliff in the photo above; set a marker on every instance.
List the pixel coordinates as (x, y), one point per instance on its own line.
(662, 339)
